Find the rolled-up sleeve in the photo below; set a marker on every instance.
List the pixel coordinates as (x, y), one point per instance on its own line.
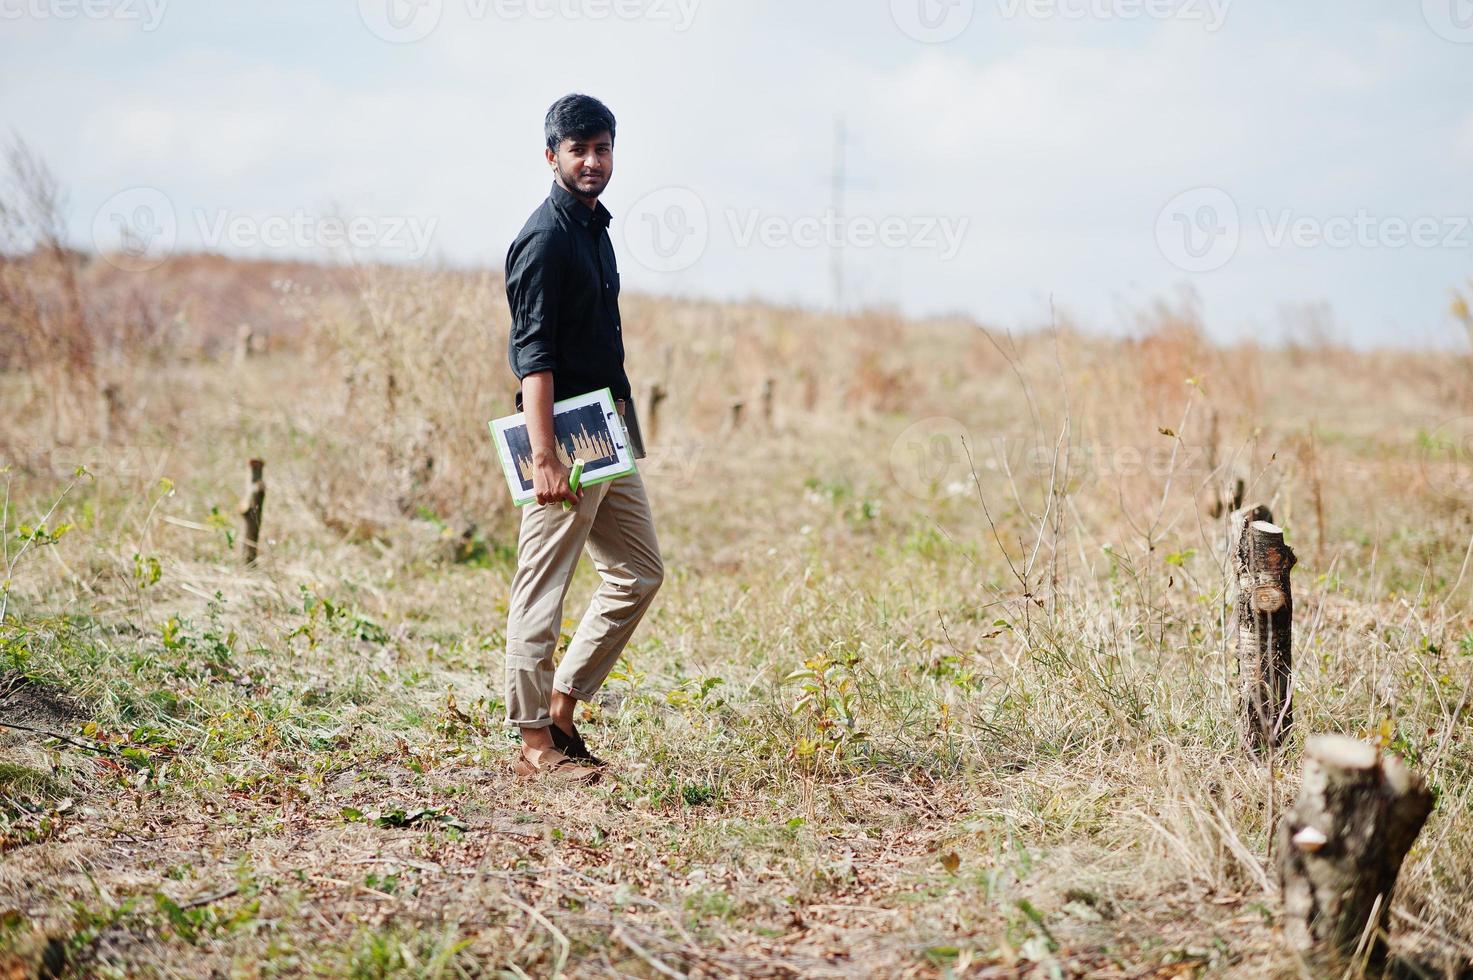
(533, 271)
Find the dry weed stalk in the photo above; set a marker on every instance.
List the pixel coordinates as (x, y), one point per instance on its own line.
(41, 303)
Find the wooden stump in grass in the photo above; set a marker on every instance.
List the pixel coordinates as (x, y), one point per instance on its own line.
(250, 510)
(112, 410)
(1341, 846)
(1223, 498)
(245, 343)
(1264, 617)
(768, 385)
(652, 425)
(734, 414)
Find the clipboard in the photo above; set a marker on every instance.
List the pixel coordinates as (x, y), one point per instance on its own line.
(586, 427)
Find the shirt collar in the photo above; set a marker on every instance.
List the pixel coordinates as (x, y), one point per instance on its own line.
(577, 210)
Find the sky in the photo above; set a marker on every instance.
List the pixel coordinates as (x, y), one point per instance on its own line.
(1282, 167)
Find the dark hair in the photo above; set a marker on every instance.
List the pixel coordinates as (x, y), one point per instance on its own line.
(576, 115)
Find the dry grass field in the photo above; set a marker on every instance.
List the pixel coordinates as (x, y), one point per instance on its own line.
(939, 682)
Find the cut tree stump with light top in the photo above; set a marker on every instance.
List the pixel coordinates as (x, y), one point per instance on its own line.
(1342, 844)
(1264, 618)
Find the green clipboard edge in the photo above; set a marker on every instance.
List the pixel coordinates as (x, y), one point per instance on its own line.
(509, 468)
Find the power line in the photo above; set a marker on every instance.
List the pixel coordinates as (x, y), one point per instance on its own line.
(836, 189)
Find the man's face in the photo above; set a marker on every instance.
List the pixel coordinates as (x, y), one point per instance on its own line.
(584, 166)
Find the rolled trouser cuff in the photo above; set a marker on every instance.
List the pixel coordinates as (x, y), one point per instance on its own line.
(528, 680)
(537, 723)
(563, 687)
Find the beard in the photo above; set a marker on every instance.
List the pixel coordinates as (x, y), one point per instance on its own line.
(591, 186)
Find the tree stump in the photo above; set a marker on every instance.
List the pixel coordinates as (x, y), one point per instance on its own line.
(250, 510)
(651, 425)
(767, 394)
(1223, 499)
(245, 343)
(112, 410)
(1264, 616)
(734, 414)
(1341, 846)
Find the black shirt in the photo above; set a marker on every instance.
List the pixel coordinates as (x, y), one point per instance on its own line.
(563, 289)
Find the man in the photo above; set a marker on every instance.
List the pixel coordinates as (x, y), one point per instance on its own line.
(566, 339)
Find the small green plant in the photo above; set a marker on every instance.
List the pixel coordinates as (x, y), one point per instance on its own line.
(698, 794)
(626, 673)
(689, 694)
(476, 720)
(830, 689)
(146, 570)
(338, 619)
(192, 923)
(28, 536)
(382, 953)
(89, 922)
(225, 524)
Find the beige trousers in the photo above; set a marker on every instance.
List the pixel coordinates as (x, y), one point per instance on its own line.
(613, 521)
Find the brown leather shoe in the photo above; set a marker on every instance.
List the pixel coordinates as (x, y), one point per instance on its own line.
(551, 764)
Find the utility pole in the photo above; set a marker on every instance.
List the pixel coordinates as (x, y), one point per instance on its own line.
(836, 188)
